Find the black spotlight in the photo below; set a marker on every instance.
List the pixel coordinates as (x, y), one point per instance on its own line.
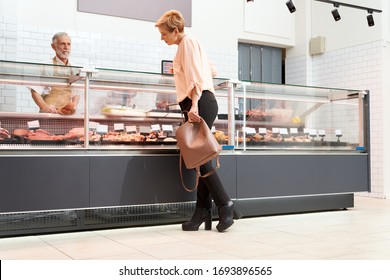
(290, 6)
(250, 1)
(370, 19)
(336, 15)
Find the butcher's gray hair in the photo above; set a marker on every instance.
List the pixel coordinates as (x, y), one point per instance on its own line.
(58, 35)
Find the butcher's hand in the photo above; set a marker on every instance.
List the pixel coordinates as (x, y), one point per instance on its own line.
(193, 114)
(50, 109)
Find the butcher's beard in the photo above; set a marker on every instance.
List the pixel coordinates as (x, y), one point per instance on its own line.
(63, 54)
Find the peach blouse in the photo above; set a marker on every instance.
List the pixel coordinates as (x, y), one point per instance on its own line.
(192, 69)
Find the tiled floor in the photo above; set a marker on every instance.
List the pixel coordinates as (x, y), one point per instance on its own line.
(362, 232)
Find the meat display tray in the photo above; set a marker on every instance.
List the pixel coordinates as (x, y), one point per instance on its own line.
(9, 141)
(130, 143)
(248, 117)
(300, 144)
(47, 142)
(225, 117)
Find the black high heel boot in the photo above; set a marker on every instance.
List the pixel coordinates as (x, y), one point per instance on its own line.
(200, 215)
(225, 216)
(236, 213)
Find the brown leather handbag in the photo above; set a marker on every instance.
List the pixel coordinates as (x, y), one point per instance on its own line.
(197, 146)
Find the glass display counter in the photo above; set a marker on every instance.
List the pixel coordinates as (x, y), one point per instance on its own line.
(134, 110)
(113, 160)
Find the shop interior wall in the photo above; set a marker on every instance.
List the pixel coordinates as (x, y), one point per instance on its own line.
(355, 57)
(119, 43)
(218, 24)
(385, 120)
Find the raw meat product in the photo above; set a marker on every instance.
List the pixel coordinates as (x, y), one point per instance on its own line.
(68, 109)
(42, 131)
(20, 132)
(92, 137)
(123, 137)
(257, 137)
(75, 133)
(170, 139)
(39, 134)
(4, 134)
(219, 136)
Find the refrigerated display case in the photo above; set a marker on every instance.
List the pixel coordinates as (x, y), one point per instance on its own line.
(114, 162)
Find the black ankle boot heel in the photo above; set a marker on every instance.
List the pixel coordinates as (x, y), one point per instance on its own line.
(207, 223)
(225, 216)
(201, 215)
(236, 213)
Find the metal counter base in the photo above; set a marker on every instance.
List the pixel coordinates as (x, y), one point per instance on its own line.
(59, 193)
(44, 222)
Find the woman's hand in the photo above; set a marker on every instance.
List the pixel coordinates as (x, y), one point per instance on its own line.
(193, 114)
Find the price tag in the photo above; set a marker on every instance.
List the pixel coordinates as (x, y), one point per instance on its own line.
(119, 127)
(213, 129)
(249, 130)
(102, 129)
(313, 132)
(155, 127)
(321, 132)
(262, 131)
(275, 130)
(338, 132)
(306, 131)
(93, 125)
(283, 131)
(293, 130)
(167, 128)
(144, 129)
(131, 128)
(33, 125)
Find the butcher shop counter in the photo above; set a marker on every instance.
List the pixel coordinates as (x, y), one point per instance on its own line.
(286, 149)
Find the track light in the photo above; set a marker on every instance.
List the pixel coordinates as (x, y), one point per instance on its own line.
(250, 1)
(290, 6)
(336, 15)
(370, 18)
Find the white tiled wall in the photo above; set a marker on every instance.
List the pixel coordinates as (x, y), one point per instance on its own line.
(32, 44)
(357, 67)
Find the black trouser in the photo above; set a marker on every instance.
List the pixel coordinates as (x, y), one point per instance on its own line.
(210, 187)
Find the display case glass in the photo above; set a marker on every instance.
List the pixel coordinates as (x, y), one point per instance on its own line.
(119, 109)
(288, 117)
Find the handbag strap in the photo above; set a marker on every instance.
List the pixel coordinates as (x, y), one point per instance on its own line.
(198, 175)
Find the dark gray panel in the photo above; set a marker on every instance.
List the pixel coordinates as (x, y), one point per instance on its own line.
(294, 204)
(284, 175)
(136, 180)
(271, 65)
(43, 183)
(256, 63)
(228, 174)
(244, 62)
(147, 179)
(149, 10)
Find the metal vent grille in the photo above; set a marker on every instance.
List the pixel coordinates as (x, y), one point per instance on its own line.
(14, 224)
(36, 221)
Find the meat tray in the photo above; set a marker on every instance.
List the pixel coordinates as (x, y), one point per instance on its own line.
(9, 141)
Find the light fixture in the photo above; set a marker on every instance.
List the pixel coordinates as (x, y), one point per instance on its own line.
(336, 15)
(250, 1)
(290, 6)
(370, 18)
